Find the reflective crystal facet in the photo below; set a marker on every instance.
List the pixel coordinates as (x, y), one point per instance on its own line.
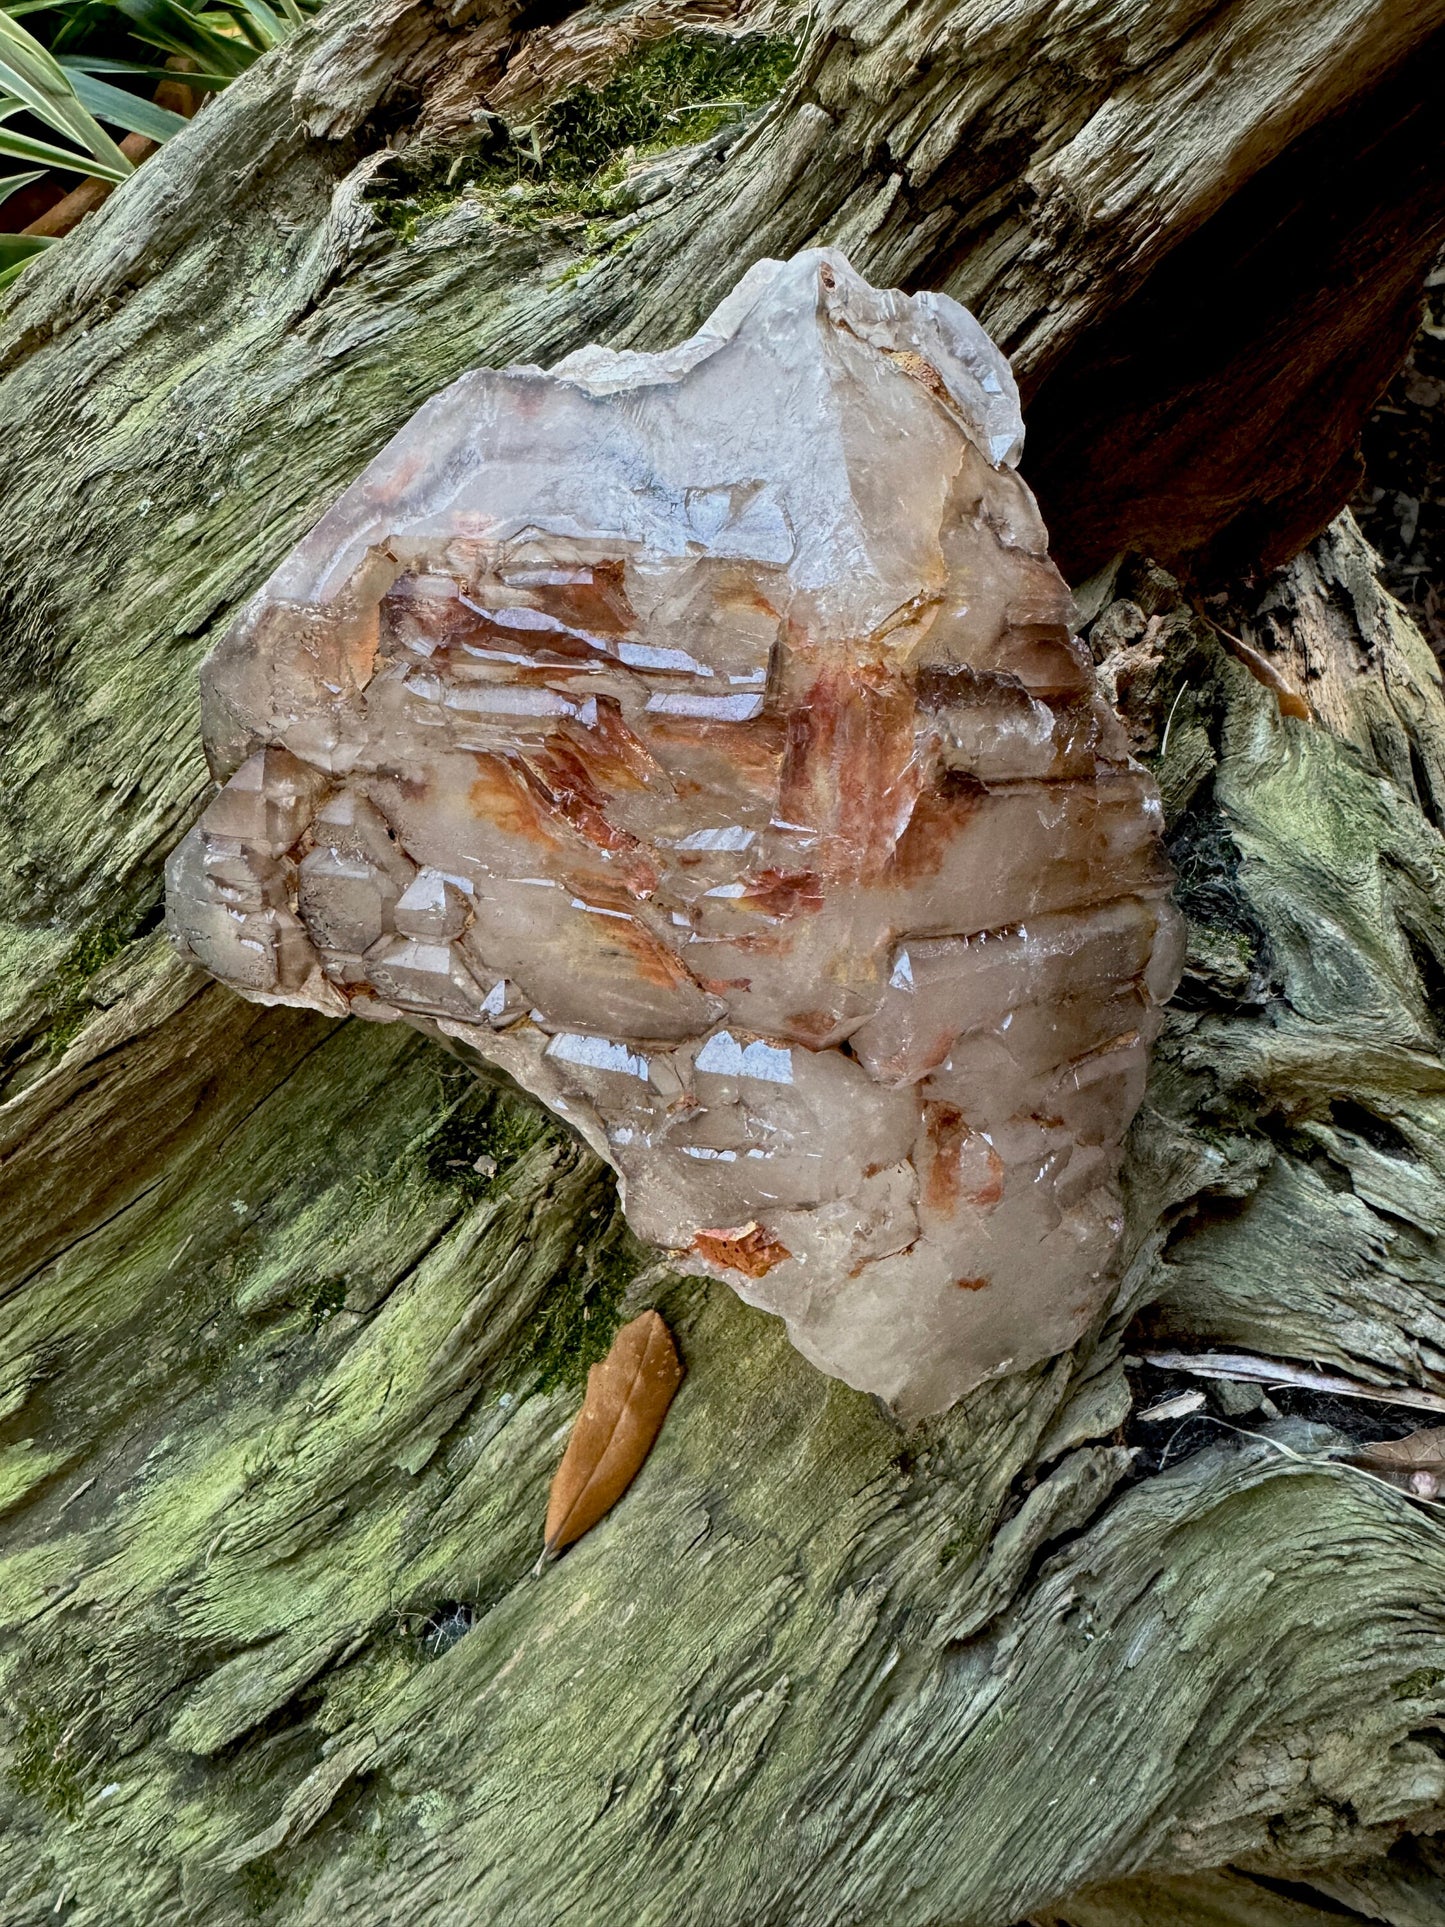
(700, 738)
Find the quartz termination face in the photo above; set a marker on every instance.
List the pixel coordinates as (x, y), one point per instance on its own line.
(699, 738)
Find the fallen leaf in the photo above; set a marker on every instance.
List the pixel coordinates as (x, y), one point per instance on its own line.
(1416, 1463)
(1291, 702)
(627, 1399)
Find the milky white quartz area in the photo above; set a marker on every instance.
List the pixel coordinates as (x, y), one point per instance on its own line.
(700, 738)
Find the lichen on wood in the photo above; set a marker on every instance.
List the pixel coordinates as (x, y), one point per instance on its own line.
(274, 1426)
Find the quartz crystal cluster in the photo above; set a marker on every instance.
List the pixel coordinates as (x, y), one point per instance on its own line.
(699, 737)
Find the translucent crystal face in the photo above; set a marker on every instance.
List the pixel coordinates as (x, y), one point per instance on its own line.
(699, 737)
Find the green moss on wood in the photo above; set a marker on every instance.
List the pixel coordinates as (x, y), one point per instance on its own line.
(43, 1765)
(480, 1132)
(70, 1003)
(775, 1620)
(470, 1152)
(263, 1887)
(676, 91)
(570, 165)
(580, 1315)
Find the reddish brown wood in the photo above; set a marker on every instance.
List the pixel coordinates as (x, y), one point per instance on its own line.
(1213, 420)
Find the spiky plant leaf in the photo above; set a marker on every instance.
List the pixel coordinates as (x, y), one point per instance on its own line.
(19, 147)
(103, 64)
(12, 183)
(175, 30)
(17, 251)
(30, 74)
(130, 111)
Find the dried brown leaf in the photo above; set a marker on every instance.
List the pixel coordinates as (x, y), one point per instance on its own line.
(627, 1399)
(1416, 1463)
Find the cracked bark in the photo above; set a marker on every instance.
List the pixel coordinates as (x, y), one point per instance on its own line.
(272, 1354)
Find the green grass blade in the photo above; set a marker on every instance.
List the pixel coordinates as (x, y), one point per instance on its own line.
(36, 68)
(101, 64)
(170, 26)
(135, 115)
(17, 251)
(29, 72)
(19, 147)
(256, 21)
(12, 183)
(83, 23)
(31, 82)
(20, 247)
(17, 268)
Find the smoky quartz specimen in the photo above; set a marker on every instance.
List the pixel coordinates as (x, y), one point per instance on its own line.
(700, 738)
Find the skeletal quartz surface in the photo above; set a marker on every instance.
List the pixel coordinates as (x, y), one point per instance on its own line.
(699, 737)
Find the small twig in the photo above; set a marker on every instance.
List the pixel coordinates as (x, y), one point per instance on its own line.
(1268, 1371)
(1169, 721)
(79, 1491)
(701, 106)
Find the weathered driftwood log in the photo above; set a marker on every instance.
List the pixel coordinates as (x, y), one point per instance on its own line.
(287, 1366)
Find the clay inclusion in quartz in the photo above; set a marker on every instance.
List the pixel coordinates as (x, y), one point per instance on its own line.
(699, 737)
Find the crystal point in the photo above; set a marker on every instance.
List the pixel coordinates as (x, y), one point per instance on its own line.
(700, 738)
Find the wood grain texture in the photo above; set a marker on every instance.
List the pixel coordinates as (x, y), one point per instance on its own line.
(284, 1375)
(1248, 360)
